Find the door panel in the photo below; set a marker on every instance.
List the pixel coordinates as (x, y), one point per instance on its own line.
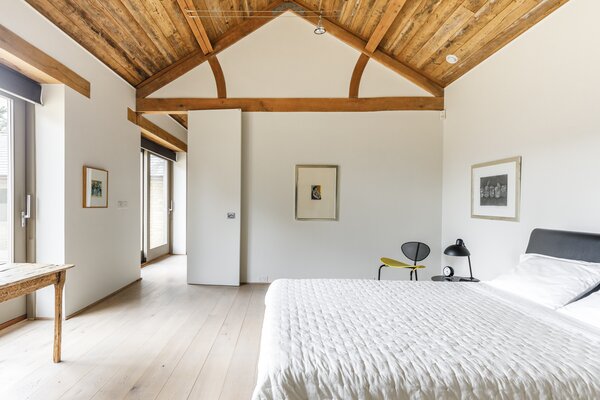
(214, 196)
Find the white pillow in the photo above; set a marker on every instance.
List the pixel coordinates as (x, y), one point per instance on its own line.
(586, 310)
(551, 282)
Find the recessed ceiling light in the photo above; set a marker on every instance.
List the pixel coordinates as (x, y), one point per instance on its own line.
(451, 59)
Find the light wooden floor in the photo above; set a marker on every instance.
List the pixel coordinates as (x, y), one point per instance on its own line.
(159, 339)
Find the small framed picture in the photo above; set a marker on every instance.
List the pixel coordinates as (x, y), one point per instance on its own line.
(95, 188)
(496, 189)
(316, 192)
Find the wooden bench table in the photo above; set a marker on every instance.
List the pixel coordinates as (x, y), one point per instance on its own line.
(17, 280)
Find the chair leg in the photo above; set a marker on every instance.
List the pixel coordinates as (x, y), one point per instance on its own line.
(411, 274)
(416, 277)
(379, 274)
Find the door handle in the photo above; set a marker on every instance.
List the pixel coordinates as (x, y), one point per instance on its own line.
(25, 215)
(171, 206)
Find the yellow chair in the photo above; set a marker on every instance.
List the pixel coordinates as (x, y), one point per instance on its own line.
(414, 251)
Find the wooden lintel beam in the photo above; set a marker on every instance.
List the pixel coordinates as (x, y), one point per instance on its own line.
(18, 54)
(384, 24)
(196, 58)
(155, 133)
(357, 43)
(183, 105)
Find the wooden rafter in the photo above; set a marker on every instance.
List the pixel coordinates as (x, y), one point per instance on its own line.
(196, 26)
(380, 30)
(181, 119)
(384, 24)
(155, 133)
(186, 64)
(205, 45)
(357, 43)
(359, 68)
(183, 105)
(20, 55)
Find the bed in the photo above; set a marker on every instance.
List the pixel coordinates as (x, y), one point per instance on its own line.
(363, 339)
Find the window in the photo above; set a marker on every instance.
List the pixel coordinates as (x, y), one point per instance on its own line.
(158, 197)
(5, 179)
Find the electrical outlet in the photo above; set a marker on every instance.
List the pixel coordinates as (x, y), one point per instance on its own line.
(230, 215)
(122, 204)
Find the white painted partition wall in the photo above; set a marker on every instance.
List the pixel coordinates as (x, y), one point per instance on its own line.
(214, 190)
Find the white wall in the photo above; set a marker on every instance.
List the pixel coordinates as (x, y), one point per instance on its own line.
(535, 98)
(103, 243)
(168, 124)
(389, 192)
(179, 242)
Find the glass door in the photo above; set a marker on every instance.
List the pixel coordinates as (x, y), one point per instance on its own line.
(13, 200)
(156, 205)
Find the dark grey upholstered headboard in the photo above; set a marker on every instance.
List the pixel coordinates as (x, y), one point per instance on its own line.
(562, 244)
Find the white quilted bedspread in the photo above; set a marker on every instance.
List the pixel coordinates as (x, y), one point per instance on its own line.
(362, 339)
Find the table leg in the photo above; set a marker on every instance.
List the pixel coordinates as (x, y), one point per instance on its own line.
(58, 306)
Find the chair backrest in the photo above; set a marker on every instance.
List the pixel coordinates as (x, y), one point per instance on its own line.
(415, 251)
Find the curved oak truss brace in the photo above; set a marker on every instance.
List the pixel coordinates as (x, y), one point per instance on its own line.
(219, 77)
(357, 74)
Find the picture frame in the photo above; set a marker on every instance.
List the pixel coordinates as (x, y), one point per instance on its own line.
(95, 187)
(316, 192)
(496, 189)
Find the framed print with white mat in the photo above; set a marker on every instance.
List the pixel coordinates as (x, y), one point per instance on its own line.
(496, 189)
(316, 192)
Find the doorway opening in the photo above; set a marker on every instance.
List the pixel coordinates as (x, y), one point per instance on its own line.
(156, 206)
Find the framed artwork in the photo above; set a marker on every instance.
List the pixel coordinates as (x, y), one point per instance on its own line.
(496, 189)
(95, 188)
(316, 192)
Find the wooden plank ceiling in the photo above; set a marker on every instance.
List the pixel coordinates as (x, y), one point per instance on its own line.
(140, 38)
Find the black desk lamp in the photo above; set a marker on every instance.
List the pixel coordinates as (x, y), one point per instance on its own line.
(460, 250)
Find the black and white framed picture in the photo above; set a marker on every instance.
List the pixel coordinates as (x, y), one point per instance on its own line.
(496, 189)
(95, 188)
(316, 192)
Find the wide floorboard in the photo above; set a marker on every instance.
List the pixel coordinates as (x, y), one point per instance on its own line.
(158, 339)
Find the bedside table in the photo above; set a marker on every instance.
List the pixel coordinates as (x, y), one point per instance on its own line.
(442, 278)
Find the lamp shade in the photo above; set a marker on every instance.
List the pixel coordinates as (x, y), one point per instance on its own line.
(457, 250)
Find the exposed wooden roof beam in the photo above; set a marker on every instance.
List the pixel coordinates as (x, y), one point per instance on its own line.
(384, 24)
(183, 105)
(196, 58)
(380, 30)
(196, 26)
(205, 45)
(20, 55)
(357, 43)
(155, 133)
(181, 119)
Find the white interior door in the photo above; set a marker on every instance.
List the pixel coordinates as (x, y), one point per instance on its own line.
(214, 196)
